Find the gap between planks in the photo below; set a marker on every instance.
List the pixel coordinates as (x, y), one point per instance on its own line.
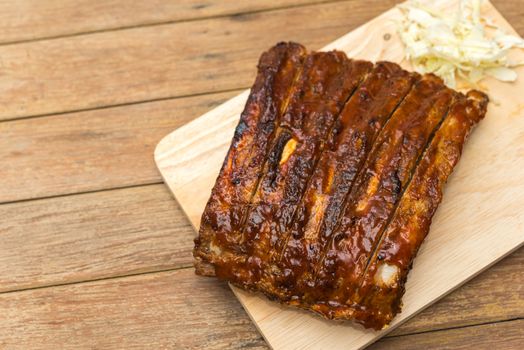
(392, 335)
(93, 280)
(126, 104)
(173, 21)
(487, 336)
(64, 195)
(92, 150)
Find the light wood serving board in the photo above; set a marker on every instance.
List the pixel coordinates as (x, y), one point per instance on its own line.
(480, 220)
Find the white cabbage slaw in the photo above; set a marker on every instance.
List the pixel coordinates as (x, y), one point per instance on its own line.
(462, 44)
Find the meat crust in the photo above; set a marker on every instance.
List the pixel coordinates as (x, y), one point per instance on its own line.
(331, 181)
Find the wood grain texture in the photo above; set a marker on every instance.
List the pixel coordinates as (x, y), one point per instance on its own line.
(30, 19)
(91, 150)
(138, 230)
(513, 11)
(146, 63)
(504, 335)
(170, 310)
(478, 201)
(495, 295)
(174, 309)
(92, 236)
(141, 64)
(135, 230)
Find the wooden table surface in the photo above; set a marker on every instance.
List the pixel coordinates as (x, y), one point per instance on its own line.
(94, 251)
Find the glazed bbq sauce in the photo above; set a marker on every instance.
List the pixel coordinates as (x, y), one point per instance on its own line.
(382, 287)
(325, 83)
(278, 68)
(361, 120)
(377, 190)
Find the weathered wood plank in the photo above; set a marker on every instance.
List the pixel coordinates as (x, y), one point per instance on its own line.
(103, 161)
(171, 310)
(496, 294)
(90, 150)
(513, 11)
(120, 232)
(503, 335)
(30, 19)
(190, 158)
(91, 236)
(100, 235)
(176, 309)
(169, 60)
(162, 61)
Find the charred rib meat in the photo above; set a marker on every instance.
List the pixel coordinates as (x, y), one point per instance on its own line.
(334, 173)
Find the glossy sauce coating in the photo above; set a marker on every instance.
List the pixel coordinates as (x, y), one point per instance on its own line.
(400, 243)
(333, 175)
(241, 170)
(361, 120)
(379, 188)
(325, 83)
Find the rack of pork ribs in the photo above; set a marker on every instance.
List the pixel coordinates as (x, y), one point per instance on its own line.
(328, 189)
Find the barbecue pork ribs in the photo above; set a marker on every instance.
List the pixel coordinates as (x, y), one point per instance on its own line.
(334, 172)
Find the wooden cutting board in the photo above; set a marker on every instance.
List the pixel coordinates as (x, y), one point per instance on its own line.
(480, 220)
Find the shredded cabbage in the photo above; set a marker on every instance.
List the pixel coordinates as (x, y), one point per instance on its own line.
(451, 45)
